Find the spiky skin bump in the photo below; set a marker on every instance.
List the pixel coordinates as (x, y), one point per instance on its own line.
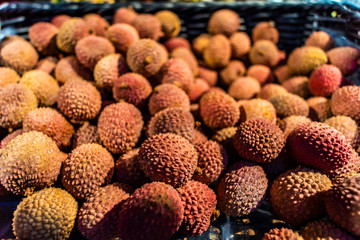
(50, 122)
(346, 126)
(282, 234)
(218, 53)
(259, 140)
(5, 141)
(240, 45)
(232, 71)
(200, 43)
(264, 52)
(304, 60)
(97, 24)
(69, 68)
(343, 203)
(223, 21)
(133, 88)
(244, 88)
(122, 35)
(324, 229)
(320, 39)
(170, 23)
(188, 56)
(8, 76)
(199, 88)
(47, 214)
(282, 73)
(108, 69)
(257, 108)
(148, 26)
(199, 203)
(319, 108)
(219, 110)
(168, 158)
(345, 58)
(43, 36)
(120, 126)
(212, 160)
(127, 169)
(16, 101)
(298, 85)
(154, 210)
(289, 104)
(19, 55)
(172, 120)
(43, 85)
(346, 101)
(89, 50)
(319, 146)
(79, 100)
(168, 95)
(297, 196)
(86, 134)
(146, 57)
(70, 32)
(99, 214)
(30, 162)
(353, 166)
(241, 189)
(260, 72)
(324, 80)
(87, 168)
(290, 123)
(124, 15)
(176, 42)
(265, 31)
(58, 20)
(271, 90)
(47, 65)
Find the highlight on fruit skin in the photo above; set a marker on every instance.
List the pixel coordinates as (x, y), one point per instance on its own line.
(97, 24)
(200, 43)
(271, 90)
(260, 72)
(324, 80)
(188, 56)
(170, 23)
(124, 15)
(148, 26)
(223, 21)
(240, 45)
(122, 35)
(345, 58)
(265, 31)
(218, 53)
(47, 65)
(232, 71)
(176, 42)
(264, 52)
(256, 108)
(244, 88)
(43, 36)
(199, 88)
(8, 76)
(304, 60)
(320, 39)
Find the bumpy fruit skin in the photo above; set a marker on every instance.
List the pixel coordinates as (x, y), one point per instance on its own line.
(282, 234)
(320, 39)
(346, 126)
(86, 134)
(127, 169)
(97, 24)
(58, 20)
(172, 120)
(232, 71)
(290, 123)
(43, 36)
(304, 60)
(187, 55)
(241, 189)
(148, 26)
(16, 101)
(224, 21)
(30, 162)
(270, 90)
(244, 88)
(47, 65)
(89, 50)
(345, 58)
(324, 80)
(120, 126)
(8, 76)
(319, 108)
(170, 23)
(70, 32)
(297, 196)
(43, 85)
(240, 45)
(168, 95)
(5, 141)
(146, 57)
(99, 214)
(108, 69)
(264, 52)
(168, 158)
(298, 85)
(200, 43)
(199, 203)
(69, 68)
(176, 42)
(319, 146)
(199, 88)
(259, 140)
(218, 53)
(212, 161)
(122, 35)
(343, 204)
(154, 210)
(261, 72)
(265, 31)
(257, 108)
(47, 214)
(324, 229)
(199, 137)
(177, 71)
(79, 100)
(124, 15)
(208, 75)
(346, 101)
(289, 104)
(133, 88)
(51, 123)
(87, 168)
(225, 137)
(19, 55)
